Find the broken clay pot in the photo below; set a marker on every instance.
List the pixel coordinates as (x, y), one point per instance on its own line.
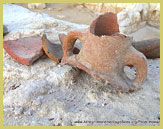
(105, 58)
(62, 37)
(150, 48)
(53, 51)
(24, 50)
(105, 24)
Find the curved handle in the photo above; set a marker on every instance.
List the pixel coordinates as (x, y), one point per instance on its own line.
(69, 42)
(137, 59)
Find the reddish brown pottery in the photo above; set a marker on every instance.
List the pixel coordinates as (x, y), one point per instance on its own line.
(105, 57)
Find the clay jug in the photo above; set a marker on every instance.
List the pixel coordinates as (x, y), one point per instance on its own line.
(105, 57)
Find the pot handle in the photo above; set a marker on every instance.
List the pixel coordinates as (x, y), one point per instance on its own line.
(69, 42)
(137, 59)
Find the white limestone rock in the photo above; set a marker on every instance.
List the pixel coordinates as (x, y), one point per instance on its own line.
(24, 95)
(128, 21)
(36, 5)
(142, 8)
(133, 17)
(62, 75)
(154, 15)
(131, 28)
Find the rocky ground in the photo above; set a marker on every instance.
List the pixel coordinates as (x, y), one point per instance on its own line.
(50, 94)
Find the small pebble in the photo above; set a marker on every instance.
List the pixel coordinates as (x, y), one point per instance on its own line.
(59, 9)
(18, 110)
(60, 16)
(8, 109)
(37, 102)
(28, 113)
(104, 104)
(50, 9)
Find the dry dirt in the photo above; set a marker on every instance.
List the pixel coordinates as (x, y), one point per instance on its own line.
(75, 13)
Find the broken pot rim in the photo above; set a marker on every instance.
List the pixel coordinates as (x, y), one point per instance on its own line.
(96, 23)
(44, 39)
(104, 37)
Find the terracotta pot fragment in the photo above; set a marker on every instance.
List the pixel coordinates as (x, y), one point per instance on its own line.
(24, 50)
(62, 37)
(53, 51)
(150, 48)
(105, 24)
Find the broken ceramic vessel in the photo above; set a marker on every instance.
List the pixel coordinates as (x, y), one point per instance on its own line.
(105, 54)
(24, 50)
(54, 51)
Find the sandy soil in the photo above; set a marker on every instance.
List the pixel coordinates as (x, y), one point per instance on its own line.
(75, 13)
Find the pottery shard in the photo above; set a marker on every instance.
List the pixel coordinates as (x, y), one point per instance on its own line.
(62, 37)
(52, 50)
(24, 50)
(105, 24)
(150, 48)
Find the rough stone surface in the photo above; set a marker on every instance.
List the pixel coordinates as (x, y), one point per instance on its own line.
(154, 15)
(36, 5)
(32, 96)
(47, 99)
(105, 7)
(137, 15)
(145, 33)
(24, 50)
(63, 75)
